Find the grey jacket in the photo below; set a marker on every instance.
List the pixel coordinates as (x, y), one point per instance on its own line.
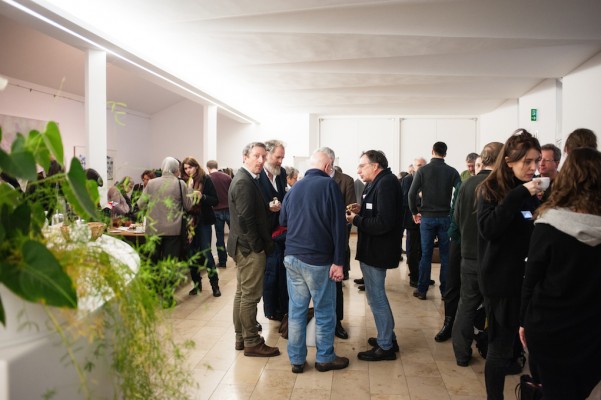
(163, 202)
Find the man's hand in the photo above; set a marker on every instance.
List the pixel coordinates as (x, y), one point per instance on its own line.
(350, 216)
(417, 218)
(354, 208)
(275, 205)
(336, 273)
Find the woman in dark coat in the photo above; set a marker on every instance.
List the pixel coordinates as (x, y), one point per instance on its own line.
(506, 201)
(203, 217)
(561, 300)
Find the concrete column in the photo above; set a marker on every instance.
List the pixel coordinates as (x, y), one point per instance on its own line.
(209, 137)
(95, 105)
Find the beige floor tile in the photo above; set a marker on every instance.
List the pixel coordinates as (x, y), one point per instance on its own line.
(387, 378)
(424, 369)
(230, 391)
(423, 388)
(313, 394)
(350, 384)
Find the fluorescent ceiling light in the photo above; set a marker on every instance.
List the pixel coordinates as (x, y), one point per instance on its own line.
(112, 52)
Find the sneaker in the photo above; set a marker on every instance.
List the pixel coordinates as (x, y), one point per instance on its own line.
(377, 354)
(373, 342)
(338, 363)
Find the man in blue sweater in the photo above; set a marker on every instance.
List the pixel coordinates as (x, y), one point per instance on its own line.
(313, 211)
(436, 181)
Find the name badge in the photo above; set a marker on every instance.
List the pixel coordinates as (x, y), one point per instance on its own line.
(368, 206)
(527, 214)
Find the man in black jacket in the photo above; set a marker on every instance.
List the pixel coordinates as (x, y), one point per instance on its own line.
(378, 223)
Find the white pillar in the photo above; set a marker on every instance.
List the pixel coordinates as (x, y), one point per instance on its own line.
(209, 141)
(95, 79)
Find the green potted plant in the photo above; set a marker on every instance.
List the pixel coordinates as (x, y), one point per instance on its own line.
(128, 328)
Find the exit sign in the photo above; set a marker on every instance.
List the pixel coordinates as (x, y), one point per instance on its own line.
(533, 114)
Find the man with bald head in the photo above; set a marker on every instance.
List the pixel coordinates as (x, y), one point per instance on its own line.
(313, 212)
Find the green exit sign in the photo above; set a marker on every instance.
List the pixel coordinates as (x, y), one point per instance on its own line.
(533, 114)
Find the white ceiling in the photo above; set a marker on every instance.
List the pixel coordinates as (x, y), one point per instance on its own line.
(420, 57)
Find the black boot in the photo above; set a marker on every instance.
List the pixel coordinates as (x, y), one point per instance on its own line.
(195, 289)
(445, 331)
(215, 287)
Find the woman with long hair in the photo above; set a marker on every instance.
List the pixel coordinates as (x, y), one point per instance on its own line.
(506, 202)
(561, 297)
(203, 217)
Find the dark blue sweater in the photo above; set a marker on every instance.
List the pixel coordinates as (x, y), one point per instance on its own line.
(313, 211)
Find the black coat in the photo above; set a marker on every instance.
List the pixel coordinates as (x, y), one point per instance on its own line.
(504, 236)
(379, 222)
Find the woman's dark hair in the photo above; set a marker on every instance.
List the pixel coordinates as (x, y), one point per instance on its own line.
(199, 178)
(150, 174)
(501, 180)
(578, 184)
(581, 137)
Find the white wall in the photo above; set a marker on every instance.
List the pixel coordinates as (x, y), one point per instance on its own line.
(128, 135)
(497, 125)
(37, 104)
(177, 132)
(543, 98)
(129, 142)
(419, 134)
(582, 98)
(350, 136)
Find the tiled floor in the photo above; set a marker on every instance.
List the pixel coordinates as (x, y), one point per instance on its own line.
(425, 370)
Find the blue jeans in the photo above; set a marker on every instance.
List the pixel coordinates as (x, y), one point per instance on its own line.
(375, 291)
(306, 282)
(222, 217)
(430, 228)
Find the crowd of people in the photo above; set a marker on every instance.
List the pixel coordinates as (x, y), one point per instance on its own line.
(516, 235)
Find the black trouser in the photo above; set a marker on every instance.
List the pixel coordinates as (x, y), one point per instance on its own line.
(502, 335)
(453, 284)
(166, 247)
(414, 252)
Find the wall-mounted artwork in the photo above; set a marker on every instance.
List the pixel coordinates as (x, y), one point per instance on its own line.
(12, 125)
(81, 152)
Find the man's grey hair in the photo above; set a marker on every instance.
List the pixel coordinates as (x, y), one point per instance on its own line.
(471, 157)
(327, 151)
(291, 171)
(246, 150)
(271, 145)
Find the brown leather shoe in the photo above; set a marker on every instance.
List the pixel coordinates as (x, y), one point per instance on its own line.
(261, 350)
(240, 345)
(338, 363)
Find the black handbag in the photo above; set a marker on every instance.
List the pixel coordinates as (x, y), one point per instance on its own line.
(528, 390)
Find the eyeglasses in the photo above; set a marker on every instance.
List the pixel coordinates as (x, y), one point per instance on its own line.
(545, 160)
